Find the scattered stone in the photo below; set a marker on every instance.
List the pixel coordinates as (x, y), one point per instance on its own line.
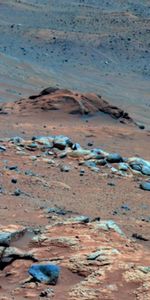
(2, 148)
(13, 168)
(10, 254)
(17, 192)
(61, 142)
(58, 211)
(17, 140)
(64, 168)
(29, 173)
(114, 158)
(82, 219)
(14, 180)
(123, 166)
(47, 293)
(125, 207)
(145, 186)
(141, 126)
(140, 237)
(7, 237)
(82, 172)
(111, 183)
(146, 170)
(46, 273)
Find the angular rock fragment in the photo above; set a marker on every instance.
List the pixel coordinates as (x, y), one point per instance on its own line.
(46, 273)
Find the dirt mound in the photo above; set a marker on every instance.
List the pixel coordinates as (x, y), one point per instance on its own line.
(68, 102)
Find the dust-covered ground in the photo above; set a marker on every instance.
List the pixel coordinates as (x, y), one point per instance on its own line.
(96, 46)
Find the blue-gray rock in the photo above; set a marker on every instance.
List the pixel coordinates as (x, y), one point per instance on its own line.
(46, 273)
(61, 142)
(17, 140)
(2, 148)
(114, 158)
(145, 186)
(146, 170)
(123, 166)
(90, 163)
(17, 192)
(29, 173)
(82, 219)
(110, 224)
(136, 167)
(57, 211)
(5, 239)
(76, 146)
(32, 146)
(82, 172)
(125, 207)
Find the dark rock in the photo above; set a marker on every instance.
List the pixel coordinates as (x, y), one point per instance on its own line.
(14, 180)
(82, 219)
(2, 148)
(76, 146)
(90, 144)
(17, 140)
(17, 192)
(29, 173)
(141, 126)
(111, 184)
(64, 168)
(145, 219)
(45, 273)
(125, 207)
(47, 293)
(82, 172)
(60, 142)
(140, 237)
(96, 219)
(136, 167)
(145, 186)
(58, 211)
(114, 158)
(101, 162)
(13, 168)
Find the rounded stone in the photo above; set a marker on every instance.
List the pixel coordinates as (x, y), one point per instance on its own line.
(145, 186)
(114, 158)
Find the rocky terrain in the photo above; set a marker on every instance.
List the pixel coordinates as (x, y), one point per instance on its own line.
(74, 194)
(74, 150)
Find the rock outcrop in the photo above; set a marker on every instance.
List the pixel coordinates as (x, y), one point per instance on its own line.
(69, 102)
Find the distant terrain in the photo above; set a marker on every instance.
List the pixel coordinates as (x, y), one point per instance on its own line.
(85, 45)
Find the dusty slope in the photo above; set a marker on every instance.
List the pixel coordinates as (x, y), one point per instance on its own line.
(92, 46)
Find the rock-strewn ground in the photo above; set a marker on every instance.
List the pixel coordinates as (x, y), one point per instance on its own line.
(44, 187)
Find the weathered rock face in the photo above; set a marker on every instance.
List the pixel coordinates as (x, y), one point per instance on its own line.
(69, 102)
(97, 262)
